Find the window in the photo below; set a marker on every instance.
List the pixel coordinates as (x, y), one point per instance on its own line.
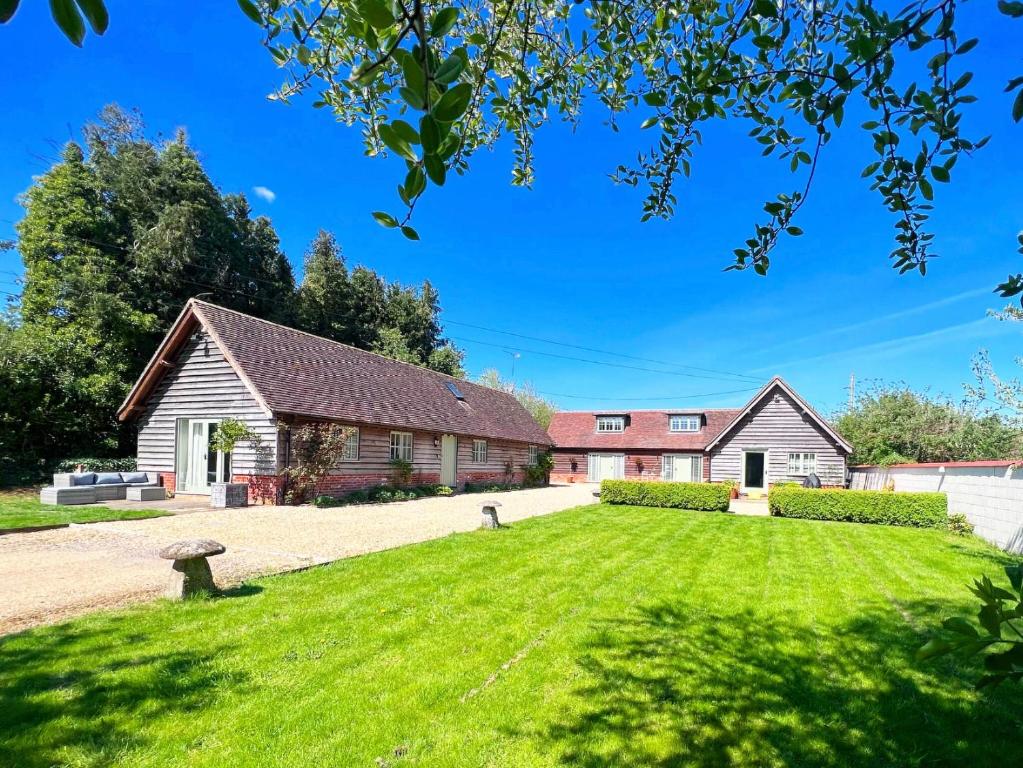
(479, 451)
(610, 423)
(682, 468)
(802, 463)
(351, 450)
(684, 424)
(401, 446)
(534, 455)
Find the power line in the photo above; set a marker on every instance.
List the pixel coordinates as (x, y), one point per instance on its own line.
(591, 361)
(599, 351)
(647, 399)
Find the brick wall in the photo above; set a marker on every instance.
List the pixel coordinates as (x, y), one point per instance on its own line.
(168, 480)
(650, 458)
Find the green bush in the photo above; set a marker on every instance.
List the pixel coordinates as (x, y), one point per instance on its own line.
(710, 497)
(921, 510)
(959, 525)
(491, 487)
(127, 464)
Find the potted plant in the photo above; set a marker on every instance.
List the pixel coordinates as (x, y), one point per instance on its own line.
(733, 488)
(229, 433)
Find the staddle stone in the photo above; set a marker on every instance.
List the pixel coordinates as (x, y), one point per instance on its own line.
(490, 514)
(190, 573)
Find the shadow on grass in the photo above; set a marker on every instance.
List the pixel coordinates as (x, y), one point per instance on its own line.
(671, 685)
(61, 704)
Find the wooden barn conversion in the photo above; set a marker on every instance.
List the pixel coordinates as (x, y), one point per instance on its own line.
(775, 437)
(216, 363)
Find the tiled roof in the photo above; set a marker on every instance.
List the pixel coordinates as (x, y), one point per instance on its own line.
(293, 372)
(646, 429)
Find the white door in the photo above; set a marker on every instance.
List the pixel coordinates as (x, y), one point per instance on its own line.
(449, 460)
(606, 466)
(198, 466)
(754, 471)
(682, 468)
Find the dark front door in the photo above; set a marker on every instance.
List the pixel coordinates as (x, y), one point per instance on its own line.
(753, 470)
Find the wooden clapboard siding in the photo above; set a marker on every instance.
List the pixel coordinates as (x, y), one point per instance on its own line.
(202, 384)
(374, 455)
(778, 424)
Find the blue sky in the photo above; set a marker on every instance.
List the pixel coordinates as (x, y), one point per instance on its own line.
(569, 261)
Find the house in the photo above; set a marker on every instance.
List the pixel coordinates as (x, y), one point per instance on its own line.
(775, 437)
(216, 363)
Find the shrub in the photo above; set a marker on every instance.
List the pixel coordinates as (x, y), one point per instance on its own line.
(710, 497)
(328, 501)
(922, 510)
(959, 525)
(491, 487)
(126, 464)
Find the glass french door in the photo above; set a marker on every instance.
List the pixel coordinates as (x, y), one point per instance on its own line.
(198, 465)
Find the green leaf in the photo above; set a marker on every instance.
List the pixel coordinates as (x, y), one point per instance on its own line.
(794, 231)
(990, 620)
(393, 141)
(932, 648)
(66, 14)
(414, 99)
(926, 189)
(385, 219)
(939, 173)
(442, 22)
(960, 626)
(302, 54)
(377, 13)
(410, 233)
(453, 103)
(449, 71)
(650, 122)
(7, 9)
(1017, 107)
(429, 132)
(766, 8)
(654, 99)
(249, 9)
(405, 131)
(96, 14)
(435, 169)
(415, 181)
(1014, 9)
(415, 78)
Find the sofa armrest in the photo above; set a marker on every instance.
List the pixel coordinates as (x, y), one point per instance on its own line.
(63, 480)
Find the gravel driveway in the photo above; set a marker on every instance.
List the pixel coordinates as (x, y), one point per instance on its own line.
(51, 575)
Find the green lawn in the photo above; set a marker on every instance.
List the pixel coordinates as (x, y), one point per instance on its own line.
(21, 509)
(600, 636)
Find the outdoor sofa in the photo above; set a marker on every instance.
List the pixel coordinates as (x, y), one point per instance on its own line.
(90, 487)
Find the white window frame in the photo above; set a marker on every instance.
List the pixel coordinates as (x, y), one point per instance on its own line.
(696, 468)
(534, 455)
(351, 449)
(592, 459)
(684, 422)
(610, 423)
(479, 451)
(400, 448)
(802, 462)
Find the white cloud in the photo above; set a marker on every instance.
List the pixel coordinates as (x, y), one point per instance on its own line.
(265, 193)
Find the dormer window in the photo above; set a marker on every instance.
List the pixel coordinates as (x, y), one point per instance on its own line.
(684, 424)
(610, 423)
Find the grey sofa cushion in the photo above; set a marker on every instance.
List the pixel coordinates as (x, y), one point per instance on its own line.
(108, 478)
(134, 477)
(83, 478)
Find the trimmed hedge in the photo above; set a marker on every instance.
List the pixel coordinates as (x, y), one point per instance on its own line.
(709, 497)
(91, 464)
(920, 510)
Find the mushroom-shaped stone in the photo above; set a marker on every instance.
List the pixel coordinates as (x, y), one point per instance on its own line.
(191, 573)
(490, 514)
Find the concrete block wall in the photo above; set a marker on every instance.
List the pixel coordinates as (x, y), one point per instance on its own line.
(990, 496)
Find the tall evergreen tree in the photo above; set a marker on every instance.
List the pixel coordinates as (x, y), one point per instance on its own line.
(323, 304)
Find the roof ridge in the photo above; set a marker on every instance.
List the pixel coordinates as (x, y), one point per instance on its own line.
(338, 343)
(681, 411)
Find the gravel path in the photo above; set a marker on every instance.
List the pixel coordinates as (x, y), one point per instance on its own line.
(49, 576)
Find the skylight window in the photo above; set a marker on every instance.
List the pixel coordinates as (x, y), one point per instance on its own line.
(454, 390)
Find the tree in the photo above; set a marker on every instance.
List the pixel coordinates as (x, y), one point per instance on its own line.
(893, 424)
(116, 237)
(540, 409)
(433, 83)
(324, 297)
